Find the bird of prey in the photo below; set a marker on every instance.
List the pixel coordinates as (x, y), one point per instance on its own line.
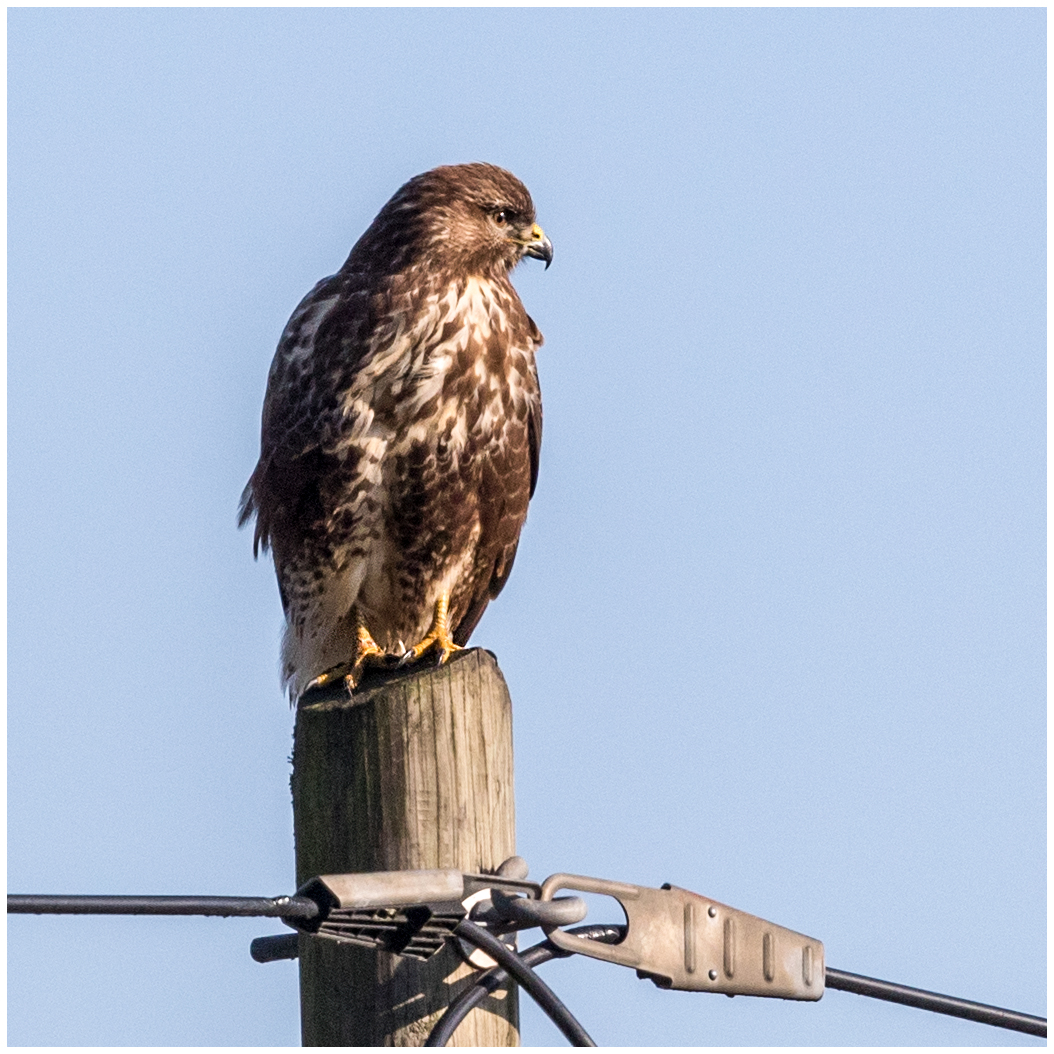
(401, 430)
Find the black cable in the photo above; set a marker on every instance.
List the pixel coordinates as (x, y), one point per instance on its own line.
(939, 1004)
(496, 977)
(270, 907)
(535, 987)
(273, 949)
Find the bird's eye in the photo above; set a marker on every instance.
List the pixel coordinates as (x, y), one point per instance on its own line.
(501, 217)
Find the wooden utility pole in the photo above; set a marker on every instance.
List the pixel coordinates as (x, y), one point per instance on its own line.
(412, 771)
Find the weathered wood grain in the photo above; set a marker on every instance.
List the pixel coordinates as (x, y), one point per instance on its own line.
(413, 771)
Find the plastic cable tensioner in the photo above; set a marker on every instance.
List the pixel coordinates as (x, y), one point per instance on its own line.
(684, 941)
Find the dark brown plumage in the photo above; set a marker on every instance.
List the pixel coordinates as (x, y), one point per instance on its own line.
(401, 429)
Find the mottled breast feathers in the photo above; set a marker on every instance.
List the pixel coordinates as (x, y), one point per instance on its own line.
(402, 425)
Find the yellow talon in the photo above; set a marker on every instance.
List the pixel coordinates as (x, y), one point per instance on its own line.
(438, 635)
(367, 653)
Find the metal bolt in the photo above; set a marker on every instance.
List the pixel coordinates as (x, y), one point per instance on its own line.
(712, 911)
(713, 975)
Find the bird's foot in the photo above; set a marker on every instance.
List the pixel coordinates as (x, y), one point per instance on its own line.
(438, 637)
(342, 671)
(367, 653)
(444, 646)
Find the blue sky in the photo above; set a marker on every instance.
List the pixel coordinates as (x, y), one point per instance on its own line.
(776, 629)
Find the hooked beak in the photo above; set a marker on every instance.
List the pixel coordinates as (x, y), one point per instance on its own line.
(538, 245)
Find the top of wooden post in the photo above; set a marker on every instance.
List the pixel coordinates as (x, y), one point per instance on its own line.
(376, 678)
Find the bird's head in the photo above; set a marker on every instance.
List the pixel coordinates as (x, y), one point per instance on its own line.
(475, 219)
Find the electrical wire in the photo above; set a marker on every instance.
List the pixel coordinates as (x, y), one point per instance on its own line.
(939, 1004)
(496, 977)
(531, 983)
(273, 949)
(246, 907)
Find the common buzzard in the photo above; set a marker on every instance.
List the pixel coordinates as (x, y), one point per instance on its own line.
(401, 430)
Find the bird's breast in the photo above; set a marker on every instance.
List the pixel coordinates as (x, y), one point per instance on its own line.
(441, 367)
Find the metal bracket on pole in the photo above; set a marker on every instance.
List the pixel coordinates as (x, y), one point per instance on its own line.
(411, 913)
(681, 940)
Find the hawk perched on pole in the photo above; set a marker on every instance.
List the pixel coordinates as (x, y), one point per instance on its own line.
(401, 430)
